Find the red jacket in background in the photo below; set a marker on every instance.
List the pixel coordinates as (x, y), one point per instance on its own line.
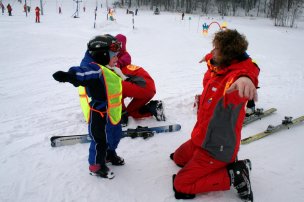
(9, 8)
(124, 57)
(37, 10)
(140, 87)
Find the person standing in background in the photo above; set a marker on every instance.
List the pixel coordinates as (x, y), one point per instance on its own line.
(37, 12)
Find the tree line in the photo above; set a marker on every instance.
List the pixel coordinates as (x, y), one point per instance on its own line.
(283, 12)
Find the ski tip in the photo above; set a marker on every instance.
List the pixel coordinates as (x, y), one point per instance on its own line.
(53, 144)
(177, 127)
(273, 109)
(53, 138)
(173, 128)
(246, 140)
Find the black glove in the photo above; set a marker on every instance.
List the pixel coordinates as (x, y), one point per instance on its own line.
(137, 80)
(61, 76)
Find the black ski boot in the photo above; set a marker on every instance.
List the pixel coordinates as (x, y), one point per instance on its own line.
(179, 195)
(239, 178)
(157, 109)
(114, 159)
(172, 158)
(250, 108)
(124, 119)
(101, 171)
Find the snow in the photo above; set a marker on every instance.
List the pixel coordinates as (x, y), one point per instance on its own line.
(35, 107)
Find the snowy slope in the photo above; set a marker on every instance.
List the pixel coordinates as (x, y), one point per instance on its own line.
(34, 107)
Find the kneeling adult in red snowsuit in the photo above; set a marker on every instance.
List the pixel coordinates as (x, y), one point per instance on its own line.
(140, 86)
(209, 157)
(137, 85)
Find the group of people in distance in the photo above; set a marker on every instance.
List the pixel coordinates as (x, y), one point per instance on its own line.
(208, 160)
(26, 9)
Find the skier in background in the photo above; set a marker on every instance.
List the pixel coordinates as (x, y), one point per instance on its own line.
(209, 159)
(9, 9)
(105, 90)
(2, 8)
(139, 86)
(37, 12)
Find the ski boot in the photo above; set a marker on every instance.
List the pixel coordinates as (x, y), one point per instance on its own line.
(124, 119)
(239, 177)
(101, 171)
(114, 159)
(179, 195)
(250, 108)
(156, 108)
(172, 158)
(250, 111)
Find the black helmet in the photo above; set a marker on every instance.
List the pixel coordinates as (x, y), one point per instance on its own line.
(100, 46)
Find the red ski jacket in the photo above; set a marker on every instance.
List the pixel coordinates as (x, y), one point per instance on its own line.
(37, 10)
(220, 116)
(139, 76)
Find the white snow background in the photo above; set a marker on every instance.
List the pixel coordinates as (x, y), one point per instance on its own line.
(35, 107)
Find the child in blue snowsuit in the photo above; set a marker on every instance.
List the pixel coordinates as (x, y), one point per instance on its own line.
(104, 88)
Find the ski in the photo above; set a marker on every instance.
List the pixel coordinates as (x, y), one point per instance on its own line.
(258, 114)
(144, 132)
(287, 123)
(57, 141)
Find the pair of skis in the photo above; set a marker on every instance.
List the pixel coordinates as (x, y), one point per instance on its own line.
(144, 132)
(287, 123)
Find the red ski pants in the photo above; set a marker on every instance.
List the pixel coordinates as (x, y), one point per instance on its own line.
(140, 96)
(37, 18)
(201, 173)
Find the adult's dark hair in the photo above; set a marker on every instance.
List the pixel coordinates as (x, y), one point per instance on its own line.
(231, 45)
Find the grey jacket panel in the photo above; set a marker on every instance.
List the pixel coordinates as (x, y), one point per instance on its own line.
(220, 139)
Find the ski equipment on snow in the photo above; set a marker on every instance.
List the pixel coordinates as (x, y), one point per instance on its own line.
(258, 114)
(287, 123)
(140, 131)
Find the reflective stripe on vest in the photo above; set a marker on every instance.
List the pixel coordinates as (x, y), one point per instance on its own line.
(84, 103)
(114, 94)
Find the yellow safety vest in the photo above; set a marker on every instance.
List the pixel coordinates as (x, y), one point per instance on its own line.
(84, 102)
(113, 87)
